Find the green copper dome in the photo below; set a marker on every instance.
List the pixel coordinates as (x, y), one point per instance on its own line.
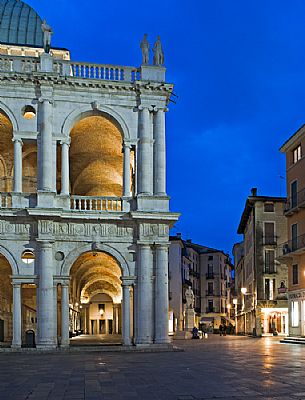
(19, 24)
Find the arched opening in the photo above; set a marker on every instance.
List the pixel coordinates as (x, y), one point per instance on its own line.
(96, 158)
(95, 299)
(7, 153)
(29, 178)
(6, 302)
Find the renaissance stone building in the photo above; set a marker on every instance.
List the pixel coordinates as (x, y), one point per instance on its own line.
(84, 214)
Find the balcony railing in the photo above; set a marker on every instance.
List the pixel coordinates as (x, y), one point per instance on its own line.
(209, 275)
(86, 203)
(269, 240)
(83, 70)
(270, 269)
(291, 246)
(295, 201)
(209, 292)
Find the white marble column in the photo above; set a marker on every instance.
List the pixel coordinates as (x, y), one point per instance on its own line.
(46, 154)
(54, 167)
(17, 186)
(126, 170)
(161, 294)
(145, 152)
(46, 296)
(65, 341)
(159, 153)
(55, 312)
(126, 314)
(144, 295)
(17, 321)
(65, 144)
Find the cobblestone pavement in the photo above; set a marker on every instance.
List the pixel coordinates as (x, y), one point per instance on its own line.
(216, 368)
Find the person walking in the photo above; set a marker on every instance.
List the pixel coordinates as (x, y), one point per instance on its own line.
(220, 330)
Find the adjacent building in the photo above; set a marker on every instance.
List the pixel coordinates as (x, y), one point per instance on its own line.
(261, 280)
(293, 251)
(209, 273)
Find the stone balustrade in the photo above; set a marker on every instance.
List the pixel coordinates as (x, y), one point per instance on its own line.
(5, 200)
(82, 70)
(88, 203)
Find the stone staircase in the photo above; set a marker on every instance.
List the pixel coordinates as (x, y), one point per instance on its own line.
(293, 340)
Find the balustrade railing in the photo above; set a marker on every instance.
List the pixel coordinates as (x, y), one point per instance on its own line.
(87, 203)
(298, 200)
(5, 200)
(291, 246)
(83, 70)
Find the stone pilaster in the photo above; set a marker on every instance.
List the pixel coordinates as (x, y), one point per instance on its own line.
(65, 144)
(17, 187)
(65, 340)
(17, 321)
(159, 153)
(145, 152)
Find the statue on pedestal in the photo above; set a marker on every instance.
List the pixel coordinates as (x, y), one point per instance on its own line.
(145, 50)
(47, 35)
(189, 296)
(158, 53)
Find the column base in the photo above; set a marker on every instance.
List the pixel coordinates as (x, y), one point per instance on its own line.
(46, 346)
(163, 341)
(16, 346)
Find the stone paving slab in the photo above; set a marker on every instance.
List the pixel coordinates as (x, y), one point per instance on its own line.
(229, 368)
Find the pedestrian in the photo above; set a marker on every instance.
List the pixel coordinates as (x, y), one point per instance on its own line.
(220, 330)
(224, 330)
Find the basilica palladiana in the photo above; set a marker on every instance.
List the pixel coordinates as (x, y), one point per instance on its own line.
(84, 212)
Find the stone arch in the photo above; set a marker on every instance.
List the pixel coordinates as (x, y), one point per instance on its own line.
(10, 115)
(103, 111)
(86, 248)
(11, 259)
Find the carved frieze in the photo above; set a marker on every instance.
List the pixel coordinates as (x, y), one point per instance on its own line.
(154, 231)
(62, 230)
(11, 229)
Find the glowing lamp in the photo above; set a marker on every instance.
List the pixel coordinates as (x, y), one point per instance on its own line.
(244, 290)
(29, 112)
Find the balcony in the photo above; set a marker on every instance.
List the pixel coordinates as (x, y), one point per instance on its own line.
(84, 204)
(296, 245)
(210, 310)
(270, 240)
(270, 269)
(68, 68)
(209, 293)
(209, 275)
(295, 202)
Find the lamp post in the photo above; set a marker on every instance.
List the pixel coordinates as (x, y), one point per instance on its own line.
(244, 292)
(235, 306)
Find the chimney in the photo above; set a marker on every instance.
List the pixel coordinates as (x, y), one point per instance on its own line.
(254, 192)
(189, 240)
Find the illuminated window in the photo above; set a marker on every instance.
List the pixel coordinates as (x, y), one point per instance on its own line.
(297, 154)
(295, 313)
(28, 257)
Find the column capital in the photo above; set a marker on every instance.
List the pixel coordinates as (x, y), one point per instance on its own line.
(17, 140)
(127, 143)
(66, 141)
(128, 280)
(161, 109)
(45, 244)
(162, 246)
(45, 100)
(16, 284)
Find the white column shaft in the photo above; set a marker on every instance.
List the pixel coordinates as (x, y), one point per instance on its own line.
(65, 168)
(126, 180)
(145, 303)
(161, 295)
(17, 166)
(54, 167)
(126, 315)
(46, 156)
(55, 312)
(145, 153)
(159, 154)
(65, 341)
(46, 296)
(16, 315)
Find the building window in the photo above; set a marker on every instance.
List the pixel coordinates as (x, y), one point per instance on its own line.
(210, 258)
(210, 288)
(269, 262)
(210, 306)
(294, 194)
(268, 207)
(295, 274)
(269, 228)
(295, 313)
(297, 154)
(294, 237)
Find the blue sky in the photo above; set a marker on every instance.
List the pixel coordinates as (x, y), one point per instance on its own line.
(239, 71)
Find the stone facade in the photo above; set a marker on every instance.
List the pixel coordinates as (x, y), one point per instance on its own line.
(261, 280)
(83, 188)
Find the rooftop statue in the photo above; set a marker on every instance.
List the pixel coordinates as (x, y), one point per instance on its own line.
(145, 50)
(158, 53)
(47, 34)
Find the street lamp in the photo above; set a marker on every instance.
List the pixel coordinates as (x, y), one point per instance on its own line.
(235, 306)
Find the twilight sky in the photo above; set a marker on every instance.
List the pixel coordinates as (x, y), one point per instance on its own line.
(239, 71)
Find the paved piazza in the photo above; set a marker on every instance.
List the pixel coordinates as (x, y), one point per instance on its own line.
(222, 368)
